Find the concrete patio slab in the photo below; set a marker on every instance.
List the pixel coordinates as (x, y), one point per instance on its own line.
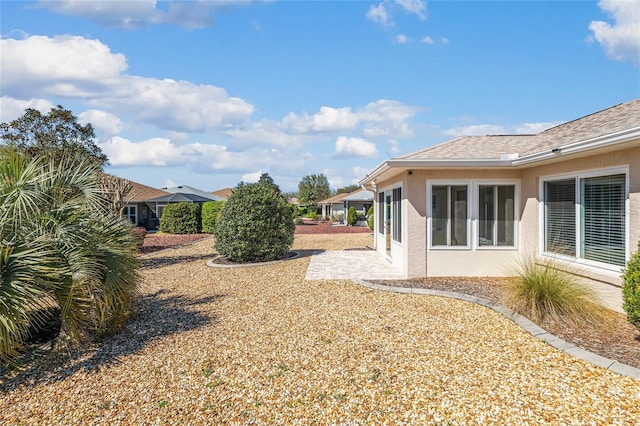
(351, 264)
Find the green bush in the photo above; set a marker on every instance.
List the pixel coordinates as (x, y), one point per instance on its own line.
(370, 217)
(255, 224)
(352, 216)
(211, 211)
(312, 215)
(542, 290)
(180, 218)
(631, 289)
(302, 211)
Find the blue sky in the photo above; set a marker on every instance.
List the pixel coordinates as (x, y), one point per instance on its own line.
(208, 93)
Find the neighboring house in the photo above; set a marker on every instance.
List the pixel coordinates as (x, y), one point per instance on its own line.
(186, 189)
(140, 210)
(182, 194)
(339, 204)
(223, 193)
(473, 205)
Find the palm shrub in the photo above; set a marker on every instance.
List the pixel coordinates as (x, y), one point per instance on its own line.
(61, 246)
(210, 213)
(542, 290)
(256, 223)
(370, 218)
(352, 216)
(631, 289)
(181, 218)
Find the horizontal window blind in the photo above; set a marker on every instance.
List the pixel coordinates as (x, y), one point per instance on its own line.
(560, 216)
(397, 215)
(381, 212)
(603, 219)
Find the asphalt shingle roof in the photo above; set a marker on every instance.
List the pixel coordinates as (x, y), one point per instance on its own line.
(493, 147)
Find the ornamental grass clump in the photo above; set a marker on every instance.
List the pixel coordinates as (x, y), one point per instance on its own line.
(256, 223)
(541, 290)
(631, 289)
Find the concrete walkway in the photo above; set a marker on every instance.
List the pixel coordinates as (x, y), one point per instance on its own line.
(350, 265)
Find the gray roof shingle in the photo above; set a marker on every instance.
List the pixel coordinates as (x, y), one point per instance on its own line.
(493, 147)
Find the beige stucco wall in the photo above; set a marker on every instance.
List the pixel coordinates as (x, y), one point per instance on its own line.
(417, 261)
(530, 222)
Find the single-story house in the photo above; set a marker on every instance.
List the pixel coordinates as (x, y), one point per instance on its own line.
(139, 209)
(223, 193)
(186, 189)
(359, 199)
(471, 206)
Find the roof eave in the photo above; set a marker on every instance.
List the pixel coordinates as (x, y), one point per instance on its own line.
(582, 146)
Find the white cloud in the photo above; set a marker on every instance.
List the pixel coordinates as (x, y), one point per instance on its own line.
(535, 128)
(427, 40)
(169, 183)
(354, 147)
(417, 7)
(11, 108)
(380, 118)
(475, 130)
(140, 13)
(67, 66)
(204, 158)
(621, 41)
(444, 40)
(61, 66)
(379, 15)
(359, 173)
(252, 177)
(102, 121)
(395, 147)
(402, 39)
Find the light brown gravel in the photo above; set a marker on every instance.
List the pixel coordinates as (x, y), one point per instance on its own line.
(262, 346)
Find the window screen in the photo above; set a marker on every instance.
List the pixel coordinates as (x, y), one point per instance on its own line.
(603, 219)
(560, 216)
(397, 214)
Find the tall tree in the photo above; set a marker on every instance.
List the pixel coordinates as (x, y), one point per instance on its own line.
(313, 188)
(347, 189)
(54, 135)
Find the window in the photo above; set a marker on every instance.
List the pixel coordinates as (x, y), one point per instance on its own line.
(449, 213)
(560, 216)
(381, 212)
(130, 213)
(585, 218)
(397, 214)
(496, 215)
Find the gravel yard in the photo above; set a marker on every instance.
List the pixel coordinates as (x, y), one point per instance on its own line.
(260, 345)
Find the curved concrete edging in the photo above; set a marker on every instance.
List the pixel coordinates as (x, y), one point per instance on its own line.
(528, 326)
(212, 264)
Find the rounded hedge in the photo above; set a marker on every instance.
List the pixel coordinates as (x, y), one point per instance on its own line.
(352, 216)
(370, 217)
(256, 224)
(210, 213)
(180, 218)
(631, 289)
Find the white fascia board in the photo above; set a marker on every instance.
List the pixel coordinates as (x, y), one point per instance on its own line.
(586, 145)
(450, 163)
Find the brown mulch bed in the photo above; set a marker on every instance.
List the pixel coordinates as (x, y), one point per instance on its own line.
(327, 228)
(160, 241)
(619, 341)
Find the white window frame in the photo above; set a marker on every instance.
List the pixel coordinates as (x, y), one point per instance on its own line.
(473, 188)
(476, 213)
(389, 190)
(430, 185)
(578, 176)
